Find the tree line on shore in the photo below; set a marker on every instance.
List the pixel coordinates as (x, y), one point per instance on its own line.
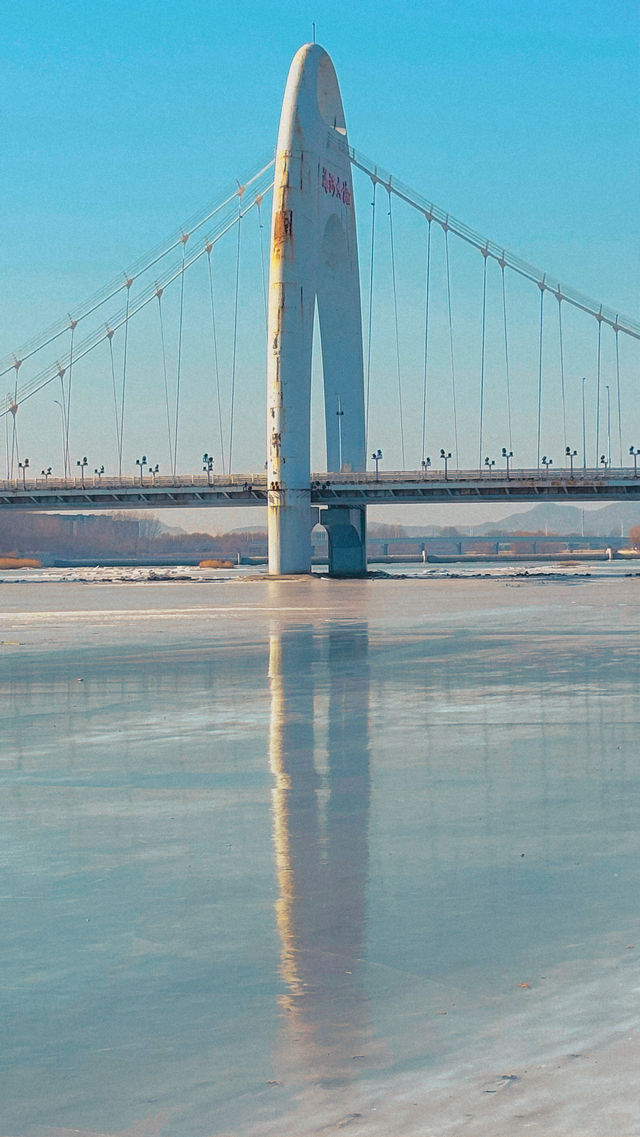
(113, 535)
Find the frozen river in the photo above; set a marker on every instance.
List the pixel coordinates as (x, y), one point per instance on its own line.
(283, 858)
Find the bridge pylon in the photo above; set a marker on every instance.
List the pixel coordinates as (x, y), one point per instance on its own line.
(314, 261)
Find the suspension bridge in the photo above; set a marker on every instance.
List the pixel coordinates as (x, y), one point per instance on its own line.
(483, 377)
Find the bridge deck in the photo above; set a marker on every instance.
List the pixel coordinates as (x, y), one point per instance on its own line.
(400, 488)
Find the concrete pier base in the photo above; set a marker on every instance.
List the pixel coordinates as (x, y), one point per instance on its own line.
(347, 533)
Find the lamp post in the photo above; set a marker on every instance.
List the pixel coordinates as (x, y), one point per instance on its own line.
(571, 454)
(24, 466)
(207, 466)
(507, 455)
(603, 461)
(426, 462)
(82, 463)
(153, 470)
(445, 458)
(584, 428)
(633, 450)
(46, 474)
(340, 413)
(142, 462)
(99, 472)
(546, 462)
(489, 463)
(377, 458)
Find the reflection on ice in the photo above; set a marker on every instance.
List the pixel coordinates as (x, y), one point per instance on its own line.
(321, 854)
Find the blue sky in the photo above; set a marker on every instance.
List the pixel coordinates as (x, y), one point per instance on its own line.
(120, 120)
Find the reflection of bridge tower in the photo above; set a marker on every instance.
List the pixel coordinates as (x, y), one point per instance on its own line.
(314, 260)
(321, 868)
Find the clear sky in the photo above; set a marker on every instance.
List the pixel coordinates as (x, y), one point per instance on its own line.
(120, 120)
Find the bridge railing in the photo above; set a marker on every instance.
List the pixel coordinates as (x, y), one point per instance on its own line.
(403, 476)
(150, 482)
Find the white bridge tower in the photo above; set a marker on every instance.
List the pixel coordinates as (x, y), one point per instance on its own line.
(314, 260)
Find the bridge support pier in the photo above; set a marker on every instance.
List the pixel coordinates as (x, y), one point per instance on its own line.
(347, 534)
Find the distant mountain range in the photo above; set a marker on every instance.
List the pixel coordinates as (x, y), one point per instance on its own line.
(612, 520)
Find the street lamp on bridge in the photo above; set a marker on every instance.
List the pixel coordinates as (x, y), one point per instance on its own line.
(377, 458)
(24, 466)
(546, 462)
(633, 450)
(207, 466)
(426, 462)
(82, 463)
(603, 461)
(142, 462)
(153, 470)
(489, 463)
(339, 413)
(507, 455)
(571, 454)
(99, 473)
(445, 458)
(46, 474)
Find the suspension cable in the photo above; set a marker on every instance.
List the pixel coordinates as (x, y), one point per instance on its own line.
(426, 342)
(159, 292)
(451, 353)
(598, 362)
(110, 335)
(262, 180)
(564, 406)
(235, 328)
(185, 238)
(482, 349)
(506, 351)
(617, 330)
(47, 375)
(209, 248)
(628, 326)
(395, 313)
(370, 316)
(542, 286)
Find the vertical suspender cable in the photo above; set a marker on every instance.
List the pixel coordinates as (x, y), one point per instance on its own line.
(15, 452)
(617, 331)
(506, 350)
(209, 247)
(370, 316)
(184, 239)
(395, 314)
(564, 407)
(159, 292)
(128, 283)
(72, 327)
(110, 335)
(235, 328)
(426, 340)
(599, 319)
(542, 286)
(264, 277)
(6, 443)
(14, 433)
(451, 355)
(485, 254)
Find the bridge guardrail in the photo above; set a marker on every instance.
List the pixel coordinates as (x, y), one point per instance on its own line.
(321, 479)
